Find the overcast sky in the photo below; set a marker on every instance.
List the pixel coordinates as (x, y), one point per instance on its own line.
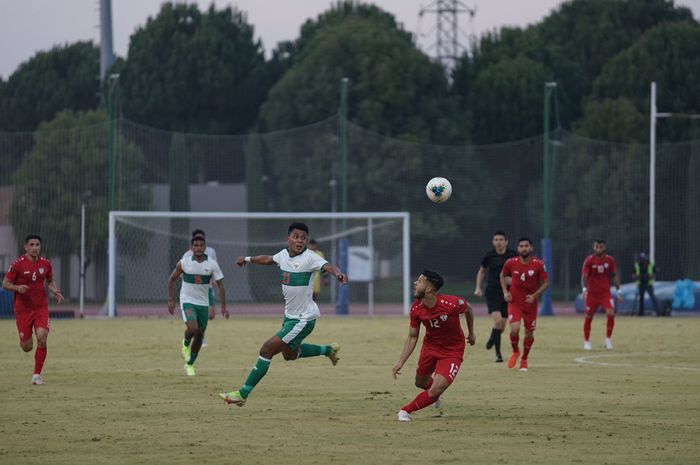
(28, 26)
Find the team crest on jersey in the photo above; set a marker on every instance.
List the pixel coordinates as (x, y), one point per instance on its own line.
(461, 302)
(41, 270)
(295, 266)
(530, 272)
(443, 317)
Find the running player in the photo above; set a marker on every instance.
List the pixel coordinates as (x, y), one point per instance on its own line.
(26, 278)
(528, 281)
(597, 270)
(443, 347)
(498, 308)
(197, 272)
(297, 264)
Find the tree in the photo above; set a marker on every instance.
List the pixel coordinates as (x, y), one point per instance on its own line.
(195, 72)
(64, 78)
(69, 159)
(668, 54)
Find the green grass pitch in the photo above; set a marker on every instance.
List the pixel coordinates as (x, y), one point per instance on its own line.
(116, 393)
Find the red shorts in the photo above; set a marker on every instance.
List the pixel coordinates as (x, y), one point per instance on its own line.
(28, 320)
(517, 313)
(446, 366)
(594, 302)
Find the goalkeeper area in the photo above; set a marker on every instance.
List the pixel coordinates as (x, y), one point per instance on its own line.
(115, 393)
(373, 248)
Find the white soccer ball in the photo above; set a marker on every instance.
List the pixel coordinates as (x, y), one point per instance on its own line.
(438, 190)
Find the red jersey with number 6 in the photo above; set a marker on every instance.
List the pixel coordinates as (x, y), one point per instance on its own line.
(598, 271)
(525, 279)
(443, 332)
(24, 271)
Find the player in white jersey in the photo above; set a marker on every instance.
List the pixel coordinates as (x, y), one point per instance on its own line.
(197, 271)
(211, 253)
(297, 266)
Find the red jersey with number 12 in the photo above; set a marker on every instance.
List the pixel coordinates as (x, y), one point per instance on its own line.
(597, 271)
(24, 271)
(443, 332)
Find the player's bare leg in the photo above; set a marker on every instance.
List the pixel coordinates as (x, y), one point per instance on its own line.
(587, 323)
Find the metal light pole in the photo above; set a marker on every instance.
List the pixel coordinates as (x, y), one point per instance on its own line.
(342, 301)
(112, 118)
(546, 309)
(85, 197)
(653, 115)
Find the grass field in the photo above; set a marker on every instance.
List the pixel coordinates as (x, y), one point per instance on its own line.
(115, 393)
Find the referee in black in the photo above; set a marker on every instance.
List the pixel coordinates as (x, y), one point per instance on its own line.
(498, 308)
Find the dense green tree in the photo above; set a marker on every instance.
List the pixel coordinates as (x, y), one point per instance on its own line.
(194, 71)
(573, 43)
(63, 78)
(68, 160)
(668, 54)
(615, 120)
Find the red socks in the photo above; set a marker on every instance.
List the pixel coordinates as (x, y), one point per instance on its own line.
(39, 358)
(422, 400)
(611, 325)
(587, 328)
(527, 345)
(514, 340)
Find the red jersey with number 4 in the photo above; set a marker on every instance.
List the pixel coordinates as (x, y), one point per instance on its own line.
(443, 331)
(24, 271)
(598, 271)
(525, 278)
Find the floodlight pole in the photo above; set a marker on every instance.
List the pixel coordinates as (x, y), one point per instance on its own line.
(546, 309)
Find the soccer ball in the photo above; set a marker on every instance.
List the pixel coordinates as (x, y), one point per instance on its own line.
(438, 190)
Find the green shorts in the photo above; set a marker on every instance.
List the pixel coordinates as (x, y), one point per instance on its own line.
(293, 331)
(212, 300)
(198, 313)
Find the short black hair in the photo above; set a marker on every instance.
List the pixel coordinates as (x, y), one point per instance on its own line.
(434, 278)
(299, 226)
(500, 233)
(525, 239)
(32, 236)
(198, 232)
(599, 241)
(198, 238)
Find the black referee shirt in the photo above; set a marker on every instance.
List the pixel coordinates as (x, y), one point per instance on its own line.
(494, 264)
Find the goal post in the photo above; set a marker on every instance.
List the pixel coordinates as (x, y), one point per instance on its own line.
(373, 248)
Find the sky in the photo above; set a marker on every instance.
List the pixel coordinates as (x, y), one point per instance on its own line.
(29, 26)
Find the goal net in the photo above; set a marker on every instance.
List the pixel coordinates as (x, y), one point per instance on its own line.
(372, 248)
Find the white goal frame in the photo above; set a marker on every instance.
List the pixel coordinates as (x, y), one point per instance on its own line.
(369, 216)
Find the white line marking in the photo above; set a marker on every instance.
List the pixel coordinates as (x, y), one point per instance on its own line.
(589, 360)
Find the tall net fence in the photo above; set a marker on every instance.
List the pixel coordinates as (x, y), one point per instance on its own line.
(600, 190)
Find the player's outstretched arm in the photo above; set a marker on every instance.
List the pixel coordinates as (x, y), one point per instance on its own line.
(335, 271)
(177, 272)
(408, 348)
(257, 259)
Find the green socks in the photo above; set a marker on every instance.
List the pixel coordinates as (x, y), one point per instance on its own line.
(256, 374)
(193, 357)
(313, 350)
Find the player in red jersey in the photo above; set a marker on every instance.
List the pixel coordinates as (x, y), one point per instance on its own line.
(26, 278)
(528, 281)
(443, 345)
(597, 270)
